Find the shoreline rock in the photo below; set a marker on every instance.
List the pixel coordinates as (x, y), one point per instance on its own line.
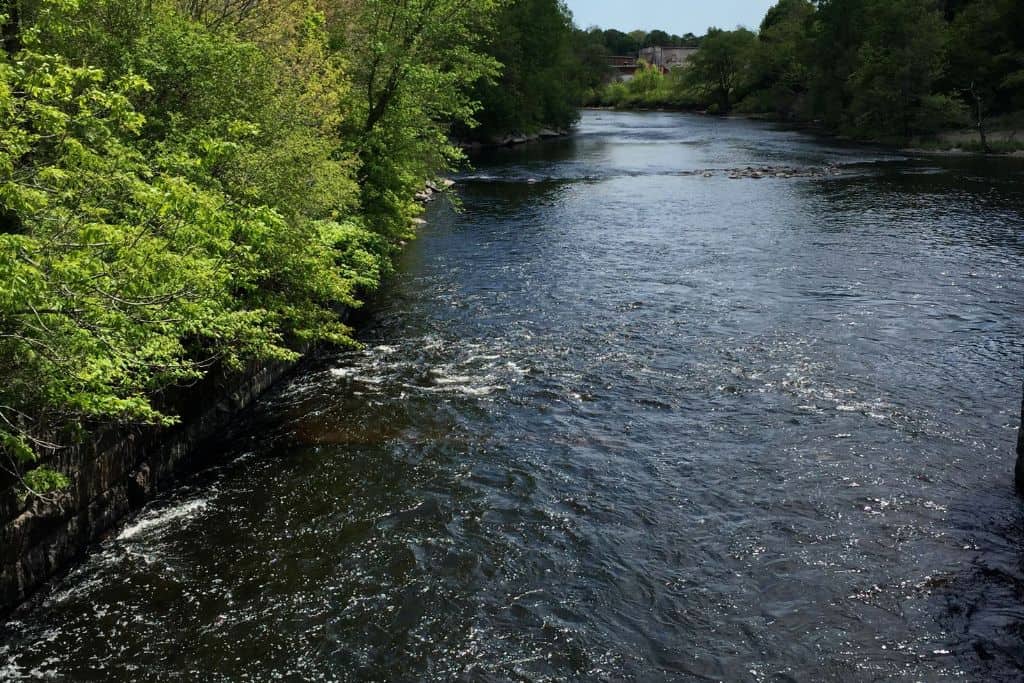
(433, 188)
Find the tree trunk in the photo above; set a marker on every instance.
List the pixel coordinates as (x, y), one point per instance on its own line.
(12, 28)
(980, 108)
(981, 131)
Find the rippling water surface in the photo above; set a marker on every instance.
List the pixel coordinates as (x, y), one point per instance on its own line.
(624, 418)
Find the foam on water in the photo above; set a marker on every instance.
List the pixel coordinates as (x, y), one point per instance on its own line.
(157, 519)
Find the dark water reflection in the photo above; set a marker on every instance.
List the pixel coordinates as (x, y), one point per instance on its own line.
(618, 421)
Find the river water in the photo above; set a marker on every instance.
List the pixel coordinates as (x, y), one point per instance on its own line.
(621, 418)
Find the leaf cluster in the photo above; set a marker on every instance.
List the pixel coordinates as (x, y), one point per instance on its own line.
(187, 187)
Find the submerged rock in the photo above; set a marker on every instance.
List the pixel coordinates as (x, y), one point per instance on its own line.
(780, 172)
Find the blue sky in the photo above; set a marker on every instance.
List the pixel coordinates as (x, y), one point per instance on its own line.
(674, 16)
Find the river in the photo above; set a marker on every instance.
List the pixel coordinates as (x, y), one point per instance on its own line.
(622, 417)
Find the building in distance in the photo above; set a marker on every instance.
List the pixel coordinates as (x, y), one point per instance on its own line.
(667, 58)
(663, 58)
(623, 67)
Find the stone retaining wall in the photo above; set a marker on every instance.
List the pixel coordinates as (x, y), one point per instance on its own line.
(110, 478)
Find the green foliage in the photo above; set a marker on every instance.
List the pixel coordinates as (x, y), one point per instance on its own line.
(781, 61)
(188, 192)
(890, 70)
(986, 58)
(113, 265)
(618, 43)
(714, 78)
(720, 69)
(649, 88)
(899, 60)
(43, 480)
(413, 66)
(542, 76)
(592, 63)
(893, 69)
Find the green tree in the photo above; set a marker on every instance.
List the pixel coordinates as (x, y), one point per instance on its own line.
(986, 59)
(898, 65)
(878, 66)
(647, 81)
(657, 38)
(414, 65)
(592, 61)
(543, 76)
(189, 206)
(719, 70)
(619, 43)
(837, 34)
(118, 280)
(780, 69)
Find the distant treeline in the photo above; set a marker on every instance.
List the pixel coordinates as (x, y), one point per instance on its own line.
(878, 69)
(550, 67)
(542, 80)
(624, 44)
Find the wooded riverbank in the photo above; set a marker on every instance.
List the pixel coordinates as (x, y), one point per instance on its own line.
(193, 194)
(190, 187)
(892, 71)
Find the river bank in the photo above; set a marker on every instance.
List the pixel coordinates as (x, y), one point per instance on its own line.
(120, 470)
(1001, 142)
(110, 477)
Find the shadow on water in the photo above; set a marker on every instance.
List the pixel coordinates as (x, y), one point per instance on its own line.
(548, 152)
(983, 601)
